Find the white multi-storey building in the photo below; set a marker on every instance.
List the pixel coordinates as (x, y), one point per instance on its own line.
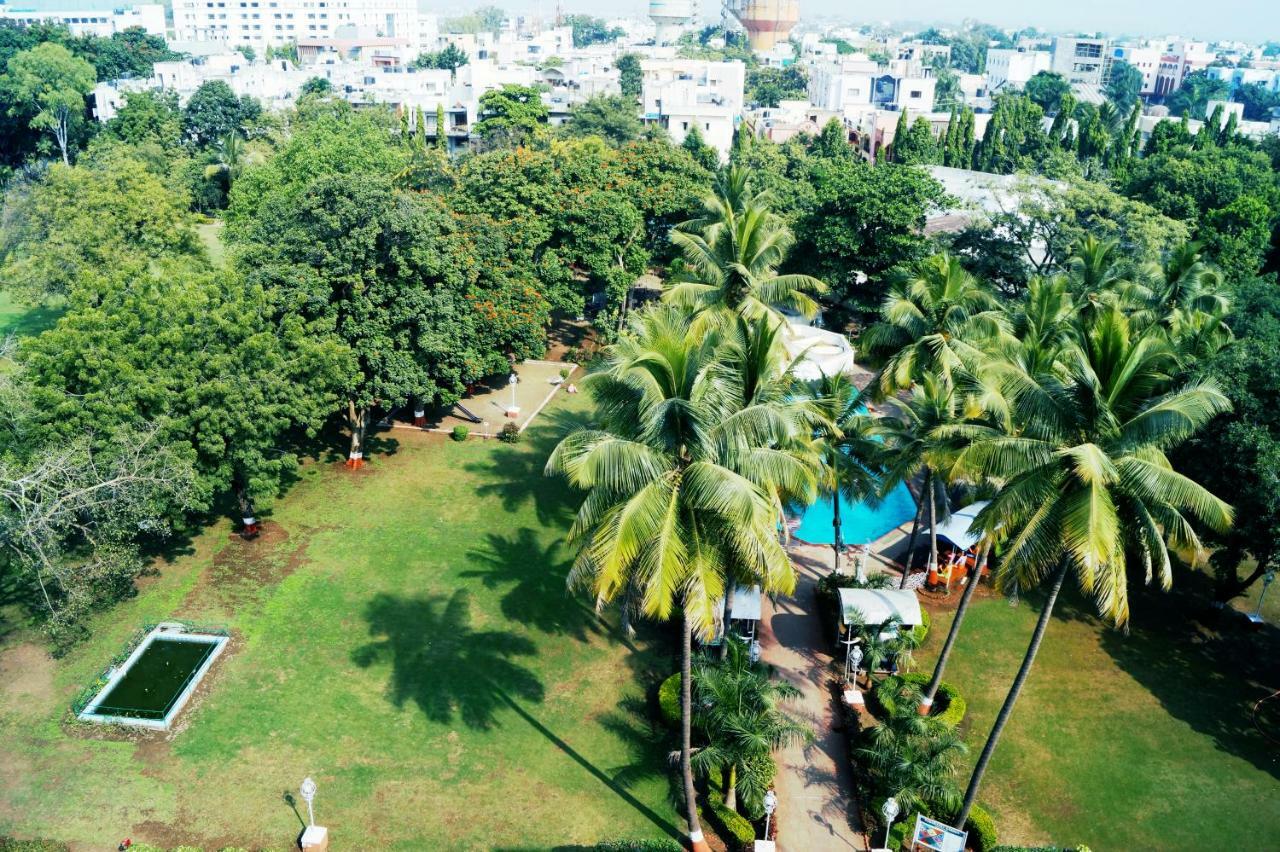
(1083, 61)
(1009, 68)
(259, 23)
(102, 22)
(680, 94)
(857, 82)
(1146, 59)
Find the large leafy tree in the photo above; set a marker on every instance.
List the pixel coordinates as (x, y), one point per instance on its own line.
(510, 115)
(109, 212)
(387, 274)
(865, 219)
(682, 480)
(197, 354)
(50, 82)
(1125, 83)
(213, 111)
(1087, 487)
(612, 117)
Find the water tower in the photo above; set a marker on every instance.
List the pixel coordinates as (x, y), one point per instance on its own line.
(670, 17)
(767, 22)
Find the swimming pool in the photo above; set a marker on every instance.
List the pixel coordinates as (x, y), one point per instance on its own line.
(860, 523)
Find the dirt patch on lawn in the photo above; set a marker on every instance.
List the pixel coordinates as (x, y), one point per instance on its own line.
(243, 568)
(26, 679)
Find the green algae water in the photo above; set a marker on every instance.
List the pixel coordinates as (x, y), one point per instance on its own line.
(156, 679)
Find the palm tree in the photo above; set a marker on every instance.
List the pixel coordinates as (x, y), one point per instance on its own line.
(731, 257)
(738, 709)
(850, 453)
(914, 758)
(230, 160)
(682, 479)
(931, 690)
(1087, 487)
(915, 443)
(882, 644)
(936, 321)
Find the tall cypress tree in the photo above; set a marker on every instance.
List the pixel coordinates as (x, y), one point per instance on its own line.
(899, 133)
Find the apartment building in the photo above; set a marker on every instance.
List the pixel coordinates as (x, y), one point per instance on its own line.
(680, 94)
(857, 82)
(100, 21)
(1083, 61)
(1010, 68)
(1146, 59)
(259, 23)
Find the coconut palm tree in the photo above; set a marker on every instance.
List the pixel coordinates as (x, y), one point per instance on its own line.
(731, 258)
(850, 452)
(738, 708)
(914, 758)
(935, 321)
(914, 443)
(682, 479)
(1087, 487)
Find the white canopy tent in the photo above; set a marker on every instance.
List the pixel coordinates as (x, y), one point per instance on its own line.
(877, 606)
(955, 529)
(746, 607)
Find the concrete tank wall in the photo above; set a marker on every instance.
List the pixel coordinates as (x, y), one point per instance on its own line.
(767, 22)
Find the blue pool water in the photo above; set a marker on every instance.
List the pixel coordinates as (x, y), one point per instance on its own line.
(860, 523)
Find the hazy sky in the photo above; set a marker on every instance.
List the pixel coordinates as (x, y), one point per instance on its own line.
(1248, 20)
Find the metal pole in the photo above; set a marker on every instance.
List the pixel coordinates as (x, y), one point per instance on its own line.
(766, 825)
(887, 829)
(311, 814)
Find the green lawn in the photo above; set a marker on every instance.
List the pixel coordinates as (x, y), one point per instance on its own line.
(20, 320)
(1122, 742)
(403, 636)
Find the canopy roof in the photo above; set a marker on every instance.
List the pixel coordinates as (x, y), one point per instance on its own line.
(877, 606)
(955, 529)
(746, 604)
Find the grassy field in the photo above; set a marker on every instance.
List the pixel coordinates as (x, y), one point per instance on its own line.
(1142, 741)
(20, 320)
(403, 636)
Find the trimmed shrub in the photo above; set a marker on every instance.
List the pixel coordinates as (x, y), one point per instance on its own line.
(459, 433)
(1040, 849)
(669, 701)
(921, 631)
(981, 826)
(949, 705)
(8, 844)
(733, 828)
(664, 844)
(509, 434)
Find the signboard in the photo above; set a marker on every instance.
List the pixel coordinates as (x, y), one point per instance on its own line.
(937, 837)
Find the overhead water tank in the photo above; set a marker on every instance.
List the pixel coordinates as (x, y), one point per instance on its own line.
(767, 22)
(670, 17)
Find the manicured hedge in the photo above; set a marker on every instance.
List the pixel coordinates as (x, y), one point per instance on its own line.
(665, 844)
(733, 828)
(949, 705)
(8, 844)
(980, 825)
(921, 630)
(669, 701)
(1040, 849)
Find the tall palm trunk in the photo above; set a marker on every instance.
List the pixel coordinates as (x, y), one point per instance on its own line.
(926, 701)
(686, 736)
(837, 541)
(731, 787)
(915, 532)
(980, 768)
(933, 526)
(728, 614)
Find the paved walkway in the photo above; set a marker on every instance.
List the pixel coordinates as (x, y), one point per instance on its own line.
(815, 811)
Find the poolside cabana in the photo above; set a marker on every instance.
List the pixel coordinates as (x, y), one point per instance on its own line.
(956, 530)
(874, 607)
(744, 619)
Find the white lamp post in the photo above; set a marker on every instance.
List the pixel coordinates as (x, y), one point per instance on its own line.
(511, 380)
(770, 805)
(308, 791)
(890, 812)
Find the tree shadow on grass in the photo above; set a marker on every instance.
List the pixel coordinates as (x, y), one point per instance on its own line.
(453, 671)
(534, 577)
(1206, 670)
(517, 473)
(439, 662)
